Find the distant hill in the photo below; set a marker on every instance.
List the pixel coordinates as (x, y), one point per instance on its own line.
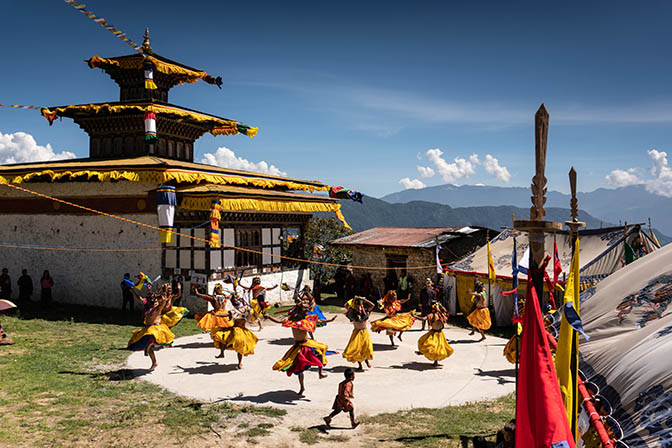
(632, 204)
(376, 212)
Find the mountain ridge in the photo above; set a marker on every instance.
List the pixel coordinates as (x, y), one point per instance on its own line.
(631, 204)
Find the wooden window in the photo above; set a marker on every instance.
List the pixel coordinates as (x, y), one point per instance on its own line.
(271, 245)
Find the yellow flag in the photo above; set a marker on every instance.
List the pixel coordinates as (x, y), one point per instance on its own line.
(491, 266)
(567, 352)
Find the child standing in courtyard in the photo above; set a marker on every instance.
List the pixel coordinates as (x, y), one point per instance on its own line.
(343, 400)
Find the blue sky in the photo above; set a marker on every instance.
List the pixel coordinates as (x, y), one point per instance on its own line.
(355, 94)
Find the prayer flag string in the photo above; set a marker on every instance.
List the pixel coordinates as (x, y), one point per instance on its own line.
(46, 113)
(104, 23)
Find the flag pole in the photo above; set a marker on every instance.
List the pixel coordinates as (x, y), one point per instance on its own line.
(574, 224)
(487, 239)
(515, 304)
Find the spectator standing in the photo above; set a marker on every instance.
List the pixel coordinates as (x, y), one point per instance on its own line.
(126, 294)
(25, 286)
(405, 285)
(5, 285)
(46, 282)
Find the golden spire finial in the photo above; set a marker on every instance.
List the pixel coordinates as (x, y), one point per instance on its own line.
(145, 45)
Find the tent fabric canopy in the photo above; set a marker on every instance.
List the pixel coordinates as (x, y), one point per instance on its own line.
(627, 360)
(602, 252)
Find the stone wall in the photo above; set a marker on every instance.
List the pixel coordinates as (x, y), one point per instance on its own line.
(374, 256)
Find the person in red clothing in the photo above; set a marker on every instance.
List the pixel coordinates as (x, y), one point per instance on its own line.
(343, 400)
(46, 282)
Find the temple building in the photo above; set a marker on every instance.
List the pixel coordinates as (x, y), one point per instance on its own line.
(141, 147)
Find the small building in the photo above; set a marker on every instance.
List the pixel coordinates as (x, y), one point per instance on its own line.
(107, 216)
(406, 248)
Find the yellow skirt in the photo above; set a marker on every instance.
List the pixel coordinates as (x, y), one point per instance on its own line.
(434, 346)
(360, 347)
(480, 318)
(241, 340)
(398, 322)
(210, 320)
(174, 316)
(510, 350)
(258, 310)
(301, 356)
(158, 334)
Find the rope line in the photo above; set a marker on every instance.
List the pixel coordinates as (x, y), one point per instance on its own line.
(79, 249)
(149, 226)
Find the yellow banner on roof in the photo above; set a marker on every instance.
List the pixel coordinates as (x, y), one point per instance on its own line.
(265, 205)
(218, 126)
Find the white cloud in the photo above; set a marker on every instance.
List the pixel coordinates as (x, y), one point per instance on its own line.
(661, 184)
(493, 167)
(226, 158)
(414, 184)
(620, 178)
(659, 161)
(20, 147)
(425, 171)
(450, 172)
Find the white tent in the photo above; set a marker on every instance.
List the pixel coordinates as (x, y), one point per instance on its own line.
(627, 363)
(602, 252)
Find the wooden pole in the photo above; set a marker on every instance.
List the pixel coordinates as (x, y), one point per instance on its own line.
(574, 225)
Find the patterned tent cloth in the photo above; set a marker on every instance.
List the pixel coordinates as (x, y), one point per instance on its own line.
(627, 361)
(602, 252)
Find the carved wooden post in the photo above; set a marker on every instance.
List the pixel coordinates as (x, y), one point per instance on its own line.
(536, 226)
(574, 223)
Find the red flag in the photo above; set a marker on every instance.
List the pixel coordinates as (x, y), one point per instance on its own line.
(557, 267)
(541, 420)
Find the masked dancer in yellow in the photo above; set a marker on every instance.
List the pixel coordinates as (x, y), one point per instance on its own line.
(237, 338)
(433, 344)
(394, 322)
(154, 332)
(175, 313)
(218, 316)
(479, 318)
(360, 347)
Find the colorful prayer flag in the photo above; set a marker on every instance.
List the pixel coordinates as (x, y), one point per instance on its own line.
(166, 201)
(567, 351)
(492, 277)
(541, 420)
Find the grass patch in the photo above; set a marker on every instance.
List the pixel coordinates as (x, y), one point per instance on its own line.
(64, 380)
(424, 427)
(337, 438)
(257, 432)
(310, 436)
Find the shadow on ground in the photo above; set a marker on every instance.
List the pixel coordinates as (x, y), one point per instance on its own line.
(288, 397)
(502, 376)
(208, 368)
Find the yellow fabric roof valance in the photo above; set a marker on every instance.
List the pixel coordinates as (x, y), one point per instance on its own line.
(264, 205)
(136, 63)
(216, 125)
(149, 169)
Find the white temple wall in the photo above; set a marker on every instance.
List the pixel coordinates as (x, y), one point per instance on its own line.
(295, 278)
(82, 277)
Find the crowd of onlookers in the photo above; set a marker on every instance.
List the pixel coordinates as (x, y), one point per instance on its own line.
(25, 287)
(347, 285)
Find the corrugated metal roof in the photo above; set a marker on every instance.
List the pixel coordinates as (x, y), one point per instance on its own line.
(421, 237)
